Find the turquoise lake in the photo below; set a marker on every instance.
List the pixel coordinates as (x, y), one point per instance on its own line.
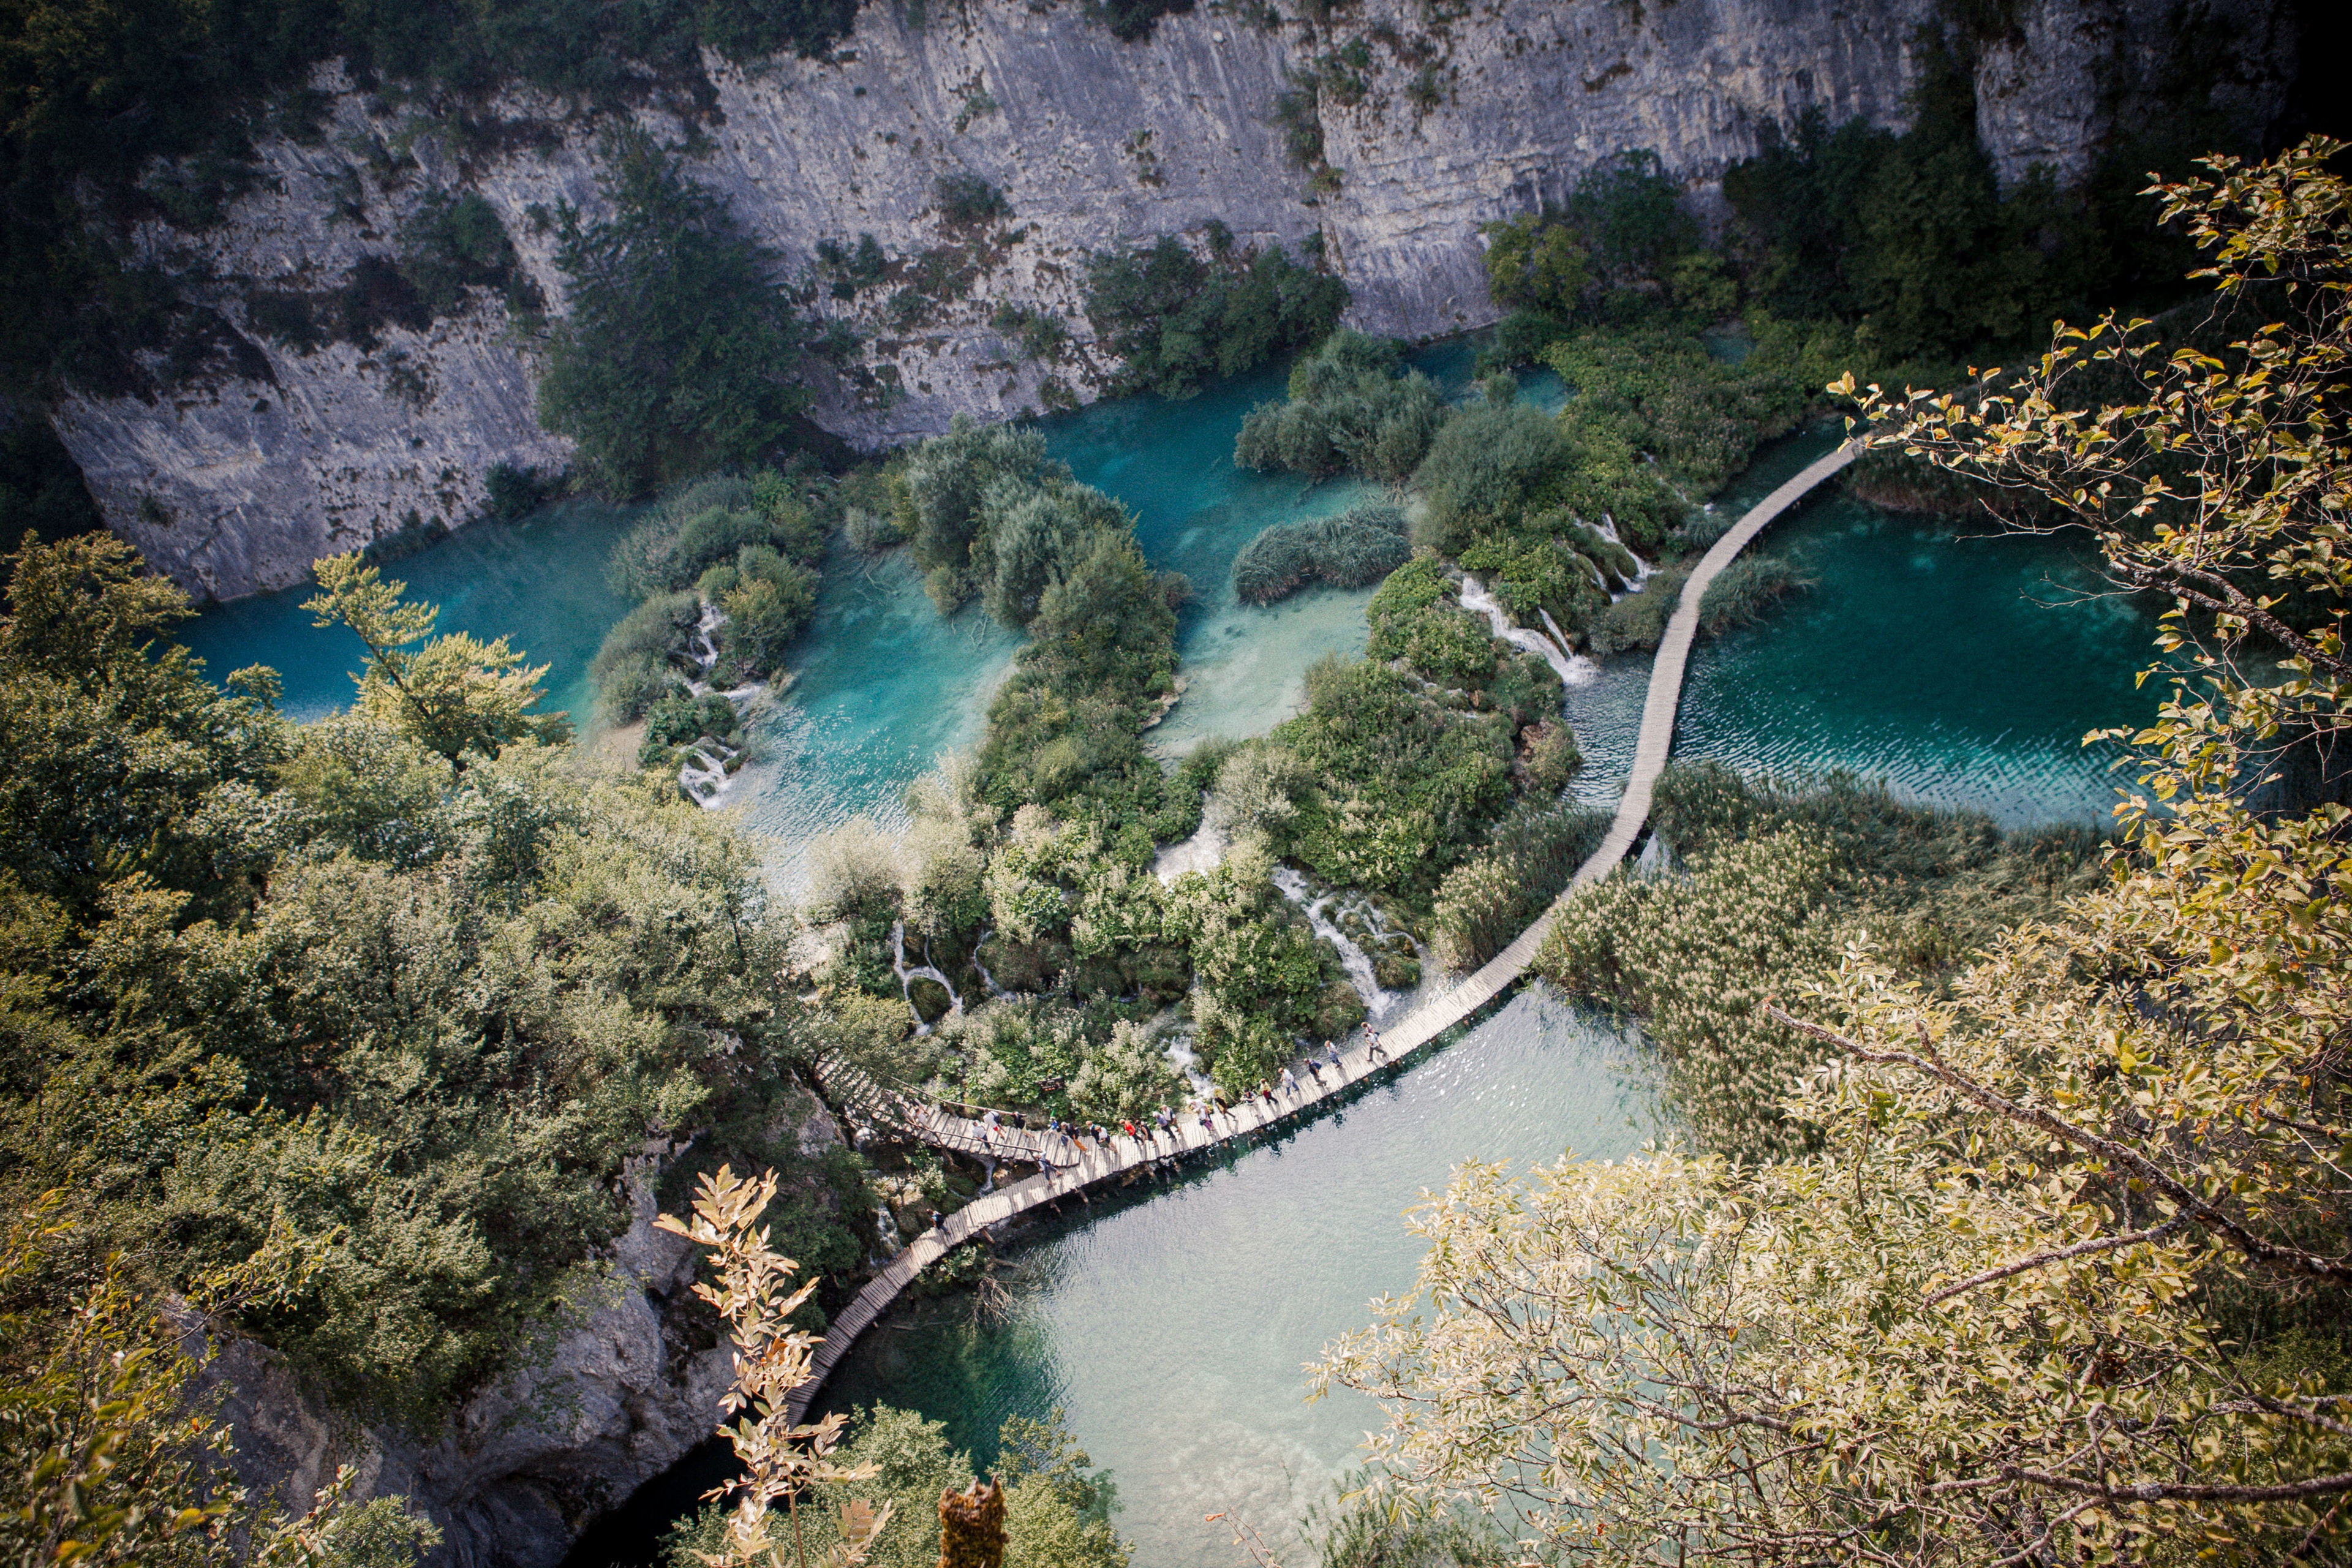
(1171, 1322)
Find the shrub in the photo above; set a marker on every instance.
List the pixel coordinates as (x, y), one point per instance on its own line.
(1661, 395)
(1639, 620)
(1527, 862)
(1486, 465)
(1172, 318)
(675, 720)
(1548, 756)
(454, 244)
(515, 493)
(631, 669)
(708, 522)
(966, 198)
(1358, 546)
(767, 603)
(1744, 590)
(1348, 408)
(1403, 784)
(946, 480)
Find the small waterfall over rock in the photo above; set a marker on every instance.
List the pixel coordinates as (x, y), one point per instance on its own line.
(1380, 1003)
(908, 973)
(1574, 669)
(711, 764)
(1642, 570)
(1203, 852)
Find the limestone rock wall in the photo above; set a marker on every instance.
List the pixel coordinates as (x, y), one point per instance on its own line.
(527, 1465)
(276, 457)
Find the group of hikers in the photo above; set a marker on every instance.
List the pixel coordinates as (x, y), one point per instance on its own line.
(1078, 1138)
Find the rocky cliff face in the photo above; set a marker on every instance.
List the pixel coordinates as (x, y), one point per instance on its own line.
(526, 1465)
(1460, 113)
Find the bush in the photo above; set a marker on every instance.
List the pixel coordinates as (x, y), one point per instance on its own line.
(709, 522)
(1403, 784)
(1172, 318)
(966, 198)
(1487, 465)
(767, 600)
(1529, 861)
(680, 350)
(1358, 546)
(1348, 408)
(454, 244)
(677, 719)
(946, 480)
(1661, 395)
(515, 493)
(1743, 591)
(1639, 620)
(632, 669)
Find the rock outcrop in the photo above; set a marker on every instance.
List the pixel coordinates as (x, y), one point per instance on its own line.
(525, 1466)
(1460, 114)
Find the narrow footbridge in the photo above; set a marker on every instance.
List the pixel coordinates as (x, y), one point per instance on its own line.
(1067, 1169)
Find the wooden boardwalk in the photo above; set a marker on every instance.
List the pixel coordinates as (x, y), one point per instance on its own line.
(1083, 1168)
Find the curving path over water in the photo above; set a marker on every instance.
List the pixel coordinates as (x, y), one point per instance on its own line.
(1423, 1024)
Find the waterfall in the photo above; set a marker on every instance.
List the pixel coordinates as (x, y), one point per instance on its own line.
(1379, 1004)
(1642, 570)
(885, 1228)
(1574, 669)
(704, 776)
(908, 973)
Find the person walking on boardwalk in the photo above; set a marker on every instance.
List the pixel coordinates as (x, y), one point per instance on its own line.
(1314, 1071)
(1331, 1054)
(1289, 1083)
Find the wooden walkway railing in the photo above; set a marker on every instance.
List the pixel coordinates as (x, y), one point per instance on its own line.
(1432, 1018)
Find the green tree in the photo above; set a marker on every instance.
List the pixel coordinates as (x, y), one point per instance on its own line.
(1535, 262)
(113, 747)
(455, 694)
(681, 350)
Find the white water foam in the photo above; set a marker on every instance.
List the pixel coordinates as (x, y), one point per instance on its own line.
(1574, 669)
(1379, 1004)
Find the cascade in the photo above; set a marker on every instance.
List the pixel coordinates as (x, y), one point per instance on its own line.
(908, 973)
(1379, 1004)
(1574, 669)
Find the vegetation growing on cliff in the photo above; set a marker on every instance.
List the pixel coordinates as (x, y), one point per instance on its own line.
(679, 353)
(1173, 317)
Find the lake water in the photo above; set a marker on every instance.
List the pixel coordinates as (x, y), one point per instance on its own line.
(1171, 1322)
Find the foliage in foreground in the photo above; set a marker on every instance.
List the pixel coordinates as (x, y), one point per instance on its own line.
(2061, 1272)
(320, 977)
(1057, 1510)
(110, 1451)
